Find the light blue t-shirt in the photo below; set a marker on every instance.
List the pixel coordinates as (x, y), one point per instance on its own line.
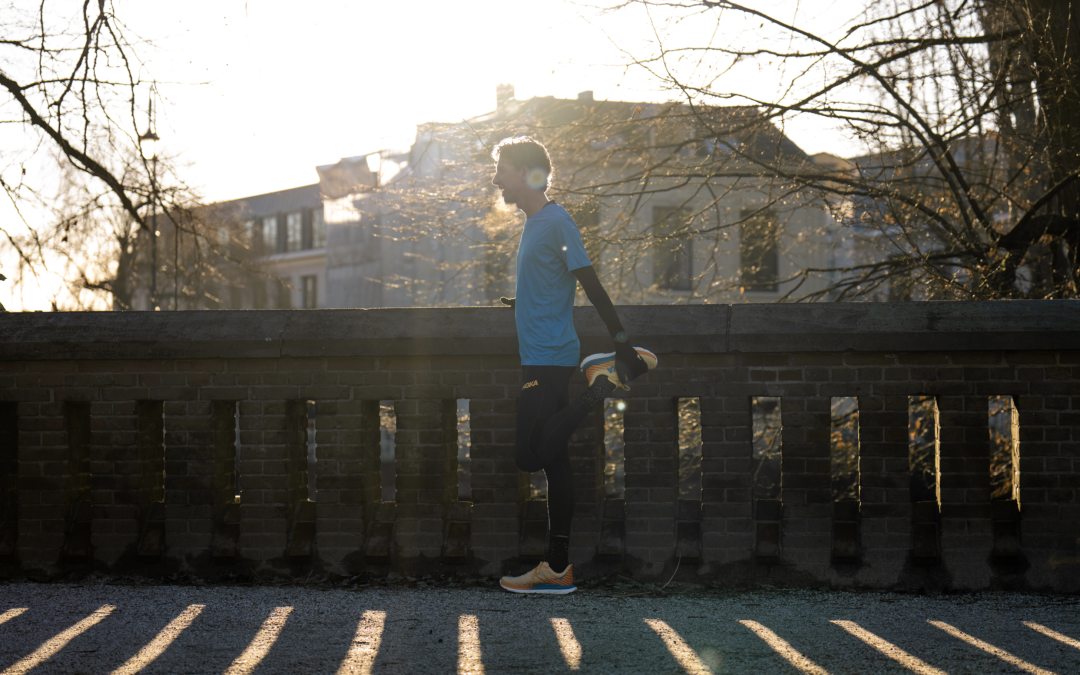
(550, 247)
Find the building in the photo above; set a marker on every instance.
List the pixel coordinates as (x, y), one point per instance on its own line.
(675, 205)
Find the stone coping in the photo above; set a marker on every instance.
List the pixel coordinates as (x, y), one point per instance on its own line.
(745, 328)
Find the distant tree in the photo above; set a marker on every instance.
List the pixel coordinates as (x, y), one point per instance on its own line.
(659, 191)
(969, 113)
(104, 254)
(71, 84)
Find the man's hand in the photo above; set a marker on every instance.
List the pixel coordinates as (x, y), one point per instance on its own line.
(509, 302)
(628, 364)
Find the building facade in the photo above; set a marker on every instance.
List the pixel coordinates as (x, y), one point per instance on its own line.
(675, 206)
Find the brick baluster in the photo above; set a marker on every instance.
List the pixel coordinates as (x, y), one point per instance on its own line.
(264, 477)
(727, 482)
(342, 481)
(9, 480)
(1049, 448)
(652, 463)
(426, 480)
(806, 487)
(499, 488)
(46, 498)
(966, 533)
(587, 459)
(114, 470)
(196, 432)
(885, 488)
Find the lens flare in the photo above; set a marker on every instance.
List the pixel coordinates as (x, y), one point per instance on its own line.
(536, 179)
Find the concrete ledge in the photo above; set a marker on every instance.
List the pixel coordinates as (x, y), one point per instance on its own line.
(870, 327)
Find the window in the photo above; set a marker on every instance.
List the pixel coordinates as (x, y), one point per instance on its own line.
(258, 294)
(672, 250)
(758, 265)
(318, 228)
(284, 294)
(310, 289)
(270, 235)
(294, 230)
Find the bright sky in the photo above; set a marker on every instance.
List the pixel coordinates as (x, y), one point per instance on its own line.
(259, 92)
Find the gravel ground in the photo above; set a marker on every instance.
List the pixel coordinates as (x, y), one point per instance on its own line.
(393, 629)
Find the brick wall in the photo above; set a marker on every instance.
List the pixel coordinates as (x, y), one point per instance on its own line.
(124, 439)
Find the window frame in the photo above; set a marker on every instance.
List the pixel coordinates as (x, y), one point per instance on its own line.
(766, 278)
(666, 255)
(309, 296)
(294, 231)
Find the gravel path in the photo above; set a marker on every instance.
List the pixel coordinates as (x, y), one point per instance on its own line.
(103, 628)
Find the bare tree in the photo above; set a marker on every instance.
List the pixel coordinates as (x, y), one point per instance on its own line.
(968, 112)
(71, 84)
(661, 193)
(103, 253)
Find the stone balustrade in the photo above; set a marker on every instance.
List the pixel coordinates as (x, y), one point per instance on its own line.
(126, 438)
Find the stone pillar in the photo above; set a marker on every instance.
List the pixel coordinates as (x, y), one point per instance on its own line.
(806, 487)
(265, 479)
(727, 479)
(9, 480)
(499, 488)
(587, 459)
(340, 485)
(1049, 452)
(199, 461)
(426, 477)
(300, 511)
(652, 465)
(966, 530)
(885, 488)
(114, 484)
(46, 479)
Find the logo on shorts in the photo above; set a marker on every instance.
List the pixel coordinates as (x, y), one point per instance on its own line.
(534, 383)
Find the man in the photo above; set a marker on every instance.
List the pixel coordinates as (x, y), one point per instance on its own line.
(551, 261)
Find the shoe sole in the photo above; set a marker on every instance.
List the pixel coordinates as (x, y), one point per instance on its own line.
(605, 362)
(556, 590)
(596, 359)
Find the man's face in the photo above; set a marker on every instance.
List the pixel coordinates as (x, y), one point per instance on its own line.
(510, 180)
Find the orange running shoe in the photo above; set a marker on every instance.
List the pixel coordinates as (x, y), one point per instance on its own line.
(542, 580)
(603, 365)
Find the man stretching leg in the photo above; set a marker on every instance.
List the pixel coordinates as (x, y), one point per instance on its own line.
(551, 261)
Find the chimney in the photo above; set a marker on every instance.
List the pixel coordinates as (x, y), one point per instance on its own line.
(585, 96)
(504, 93)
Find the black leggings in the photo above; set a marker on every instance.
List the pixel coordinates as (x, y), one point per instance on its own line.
(546, 418)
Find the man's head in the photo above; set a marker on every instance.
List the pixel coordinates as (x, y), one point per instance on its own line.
(521, 165)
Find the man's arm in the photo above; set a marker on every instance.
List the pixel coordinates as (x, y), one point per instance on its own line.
(627, 361)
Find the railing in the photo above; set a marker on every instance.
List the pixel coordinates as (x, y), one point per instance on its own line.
(180, 441)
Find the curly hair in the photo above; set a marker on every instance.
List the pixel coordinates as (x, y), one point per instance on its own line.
(523, 151)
